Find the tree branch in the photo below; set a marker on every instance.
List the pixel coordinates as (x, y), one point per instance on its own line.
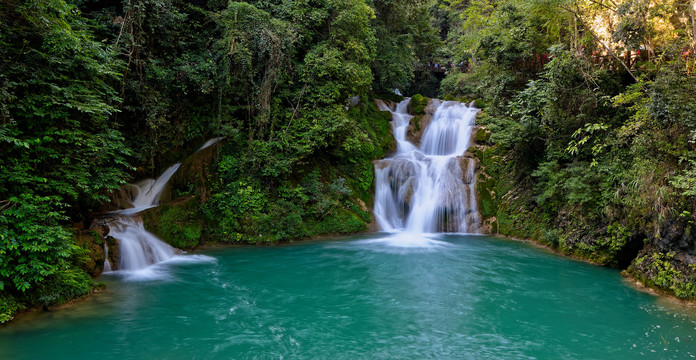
(577, 16)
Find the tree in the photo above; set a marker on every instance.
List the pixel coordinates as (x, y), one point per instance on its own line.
(61, 152)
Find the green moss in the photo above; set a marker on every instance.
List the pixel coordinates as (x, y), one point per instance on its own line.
(494, 227)
(89, 254)
(487, 207)
(660, 270)
(482, 135)
(415, 122)
(343, 222)
(178, 224)
(418, 104)
(480, 104)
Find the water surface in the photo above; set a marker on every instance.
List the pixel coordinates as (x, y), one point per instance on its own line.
(373, 297)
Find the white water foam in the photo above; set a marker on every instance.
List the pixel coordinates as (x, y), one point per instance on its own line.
(162, 270)
(425, 189)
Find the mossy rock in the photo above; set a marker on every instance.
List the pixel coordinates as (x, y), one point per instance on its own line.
(415, 122)
(487, 199)
(193, 176)
(178, 223)
(91, 258)
(477, 152)
(418, 104)
(464, 100)
(482, 135)
(666, 271)
(494, 227)
(480, 104)
(114, 251)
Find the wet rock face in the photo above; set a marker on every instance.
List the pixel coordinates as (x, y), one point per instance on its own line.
(98, 243)
(668, 260)
(676, 235)
(385, 105)
(114, 252)
(120, 199)
(467, 161)
(419, 123)
(486, 195)
(192, 176)
(91, 241)
(482, 135)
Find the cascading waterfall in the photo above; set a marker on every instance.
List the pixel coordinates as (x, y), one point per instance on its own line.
(148, 192)
(139, 248)
(429, 188)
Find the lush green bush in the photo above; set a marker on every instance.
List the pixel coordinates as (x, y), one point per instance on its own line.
(61, 152)
(599, 155)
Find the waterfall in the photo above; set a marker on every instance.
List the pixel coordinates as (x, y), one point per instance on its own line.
(429, 188)
(107, 264)
(148, 192)
(209, 143)
(139, 248)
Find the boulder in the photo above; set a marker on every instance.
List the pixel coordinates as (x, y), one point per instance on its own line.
(419, 123)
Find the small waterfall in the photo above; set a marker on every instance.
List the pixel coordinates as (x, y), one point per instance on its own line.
(139, 248)
(210, 142)
(107, 264)
(429, 188)
(148, 191)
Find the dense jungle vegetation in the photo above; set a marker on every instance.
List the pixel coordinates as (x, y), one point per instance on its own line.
(590, 103)
(592, 112)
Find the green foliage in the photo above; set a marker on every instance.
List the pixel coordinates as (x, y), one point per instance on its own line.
(593, 162)
(659, 269)
(62, 286)
(8, 307)
(407, 43)
(177, 224)
(316, 196)
(61, 152)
